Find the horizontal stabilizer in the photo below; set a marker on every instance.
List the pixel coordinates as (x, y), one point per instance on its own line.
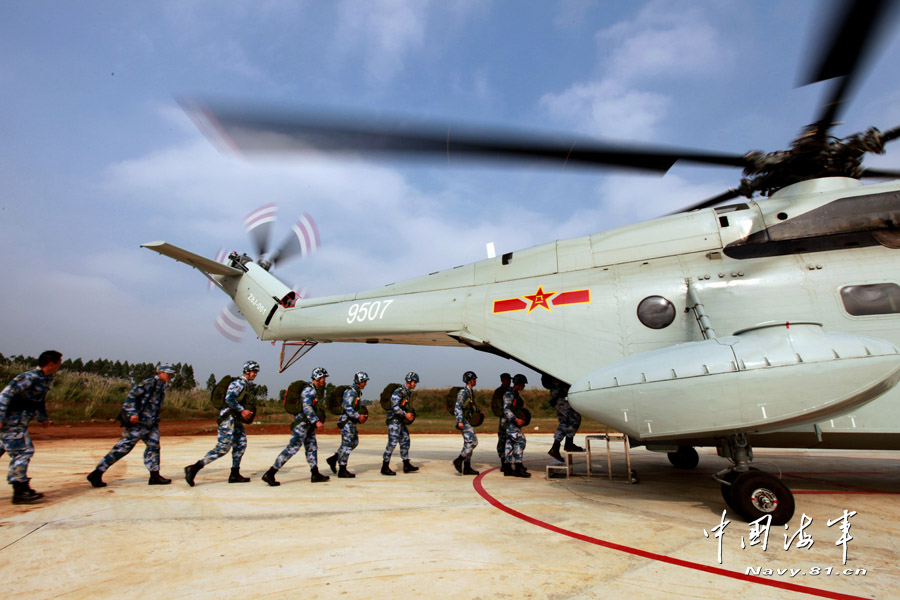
(201, 263)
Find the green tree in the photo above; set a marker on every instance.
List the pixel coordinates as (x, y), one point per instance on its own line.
(211, 382)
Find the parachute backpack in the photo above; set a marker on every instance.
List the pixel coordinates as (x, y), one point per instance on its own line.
(497, 402)
(450, 400)
(335, 400)
(385, 398)
(217, 396)
(292, 397)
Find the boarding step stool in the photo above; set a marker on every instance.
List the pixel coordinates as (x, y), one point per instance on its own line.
(630, 475)
(555, 467)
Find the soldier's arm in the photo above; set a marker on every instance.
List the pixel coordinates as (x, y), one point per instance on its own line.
(307, 406)
(507, 406)
(395, 403)
(231, 396)
(460, 402)
(347, 404)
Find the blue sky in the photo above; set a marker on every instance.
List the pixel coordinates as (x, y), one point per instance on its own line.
(97, 157)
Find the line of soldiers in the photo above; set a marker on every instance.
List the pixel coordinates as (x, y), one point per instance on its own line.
(24, 399)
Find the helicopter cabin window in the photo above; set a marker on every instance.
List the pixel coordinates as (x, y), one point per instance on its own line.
(656, 312)
(872, 299)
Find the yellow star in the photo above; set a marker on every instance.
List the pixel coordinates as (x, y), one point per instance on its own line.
(539, 298)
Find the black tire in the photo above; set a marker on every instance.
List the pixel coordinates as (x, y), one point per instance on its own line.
(730, 477)
(756, 494)
(684, 458)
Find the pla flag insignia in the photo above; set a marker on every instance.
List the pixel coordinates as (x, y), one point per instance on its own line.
(542, 299)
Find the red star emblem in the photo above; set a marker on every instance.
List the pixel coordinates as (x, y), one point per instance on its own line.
(540, 298)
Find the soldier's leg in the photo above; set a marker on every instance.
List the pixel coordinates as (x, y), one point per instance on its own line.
(238, 445)
(223, 442)
(151, 452)
(501, 443)
(126, 443)
(348, 432)
(20, 449)
(297, 439)
(393, 440)
(404, 442)
(311, 445)
(470, 440)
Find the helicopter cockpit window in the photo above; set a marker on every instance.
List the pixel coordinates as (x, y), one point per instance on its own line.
(872, 299)
(289, 300)
(656, 312)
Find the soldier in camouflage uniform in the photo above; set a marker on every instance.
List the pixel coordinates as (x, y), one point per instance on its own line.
(396, 419)
(347, 424)
(303, 432)
(140, 417)
(569, 421)
(231, 429)
(505, 386)
(515, 439)
(22, 400)
(466, 396)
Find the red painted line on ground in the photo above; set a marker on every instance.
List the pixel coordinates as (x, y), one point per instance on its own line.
(479, 487)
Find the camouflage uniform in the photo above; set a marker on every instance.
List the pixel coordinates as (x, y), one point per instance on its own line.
(515, 439)
(397, 430)
(145, 401)
(22, 400)
(501, 427)
(303, 431)
(470, 440)
(347, 423)
(569, 419)
(231, 430)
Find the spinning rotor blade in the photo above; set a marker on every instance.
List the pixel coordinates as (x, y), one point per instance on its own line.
(303, 240)
(881, 173)
(259, 131)
(259, 226)
(844, 53)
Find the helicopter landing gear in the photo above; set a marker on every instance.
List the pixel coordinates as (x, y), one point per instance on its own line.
(752, 493)
(684, 458)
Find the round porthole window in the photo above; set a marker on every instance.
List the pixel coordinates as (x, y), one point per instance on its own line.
(656, 312)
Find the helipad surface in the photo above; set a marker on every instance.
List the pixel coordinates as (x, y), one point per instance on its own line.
(438, 534)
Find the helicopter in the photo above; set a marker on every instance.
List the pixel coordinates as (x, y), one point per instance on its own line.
(771, 321)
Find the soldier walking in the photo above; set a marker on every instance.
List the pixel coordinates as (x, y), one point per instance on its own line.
(515, 439)
(569, 421)
(231, 429)
(347, 423)
(505, 386)
(465, 403)
(303, 432)
(23, 399)
(397, 417)
(140, 418)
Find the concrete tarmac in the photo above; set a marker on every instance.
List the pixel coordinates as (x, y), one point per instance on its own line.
(438, 534)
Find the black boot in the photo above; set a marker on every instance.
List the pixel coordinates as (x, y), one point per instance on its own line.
(317, 477)
(236, 476)
(332, 462)
(571, 447)
(343, 473)
(519, 471)
(507, 469)
(468, 470)
(408, 467)
(554, 451)
(457, 463)
(386, 468)
(22, 494)
(191, 471)
(96, 478)
(269, 477)
(155, 479)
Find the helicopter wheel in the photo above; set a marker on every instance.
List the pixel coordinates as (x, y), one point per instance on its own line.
(685, 457)
(755, 494)
(634, 479)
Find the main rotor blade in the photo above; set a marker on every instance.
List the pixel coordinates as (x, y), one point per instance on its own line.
(855, 30)
(280, 132)
(881, 173)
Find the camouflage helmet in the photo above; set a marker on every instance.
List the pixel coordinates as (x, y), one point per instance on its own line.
(318, 372)
(165, 369)
(469, 375)
(360, 377)
(412, 376)
(519, 379)
(251, 365)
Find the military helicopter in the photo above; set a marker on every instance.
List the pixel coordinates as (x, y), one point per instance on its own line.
(800, 275)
